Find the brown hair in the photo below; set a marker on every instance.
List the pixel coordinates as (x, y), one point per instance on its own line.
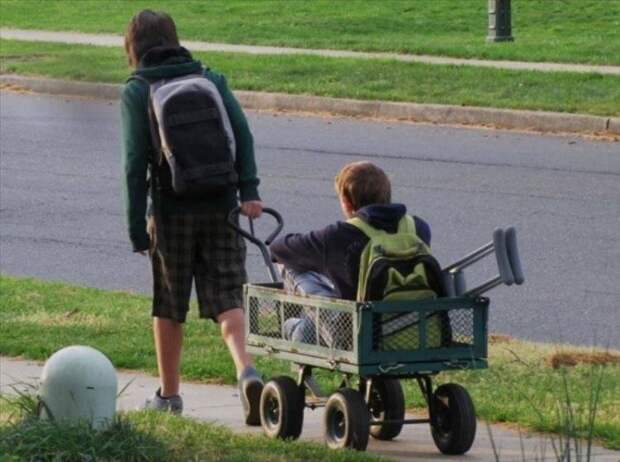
(148, 29)
(363, 183)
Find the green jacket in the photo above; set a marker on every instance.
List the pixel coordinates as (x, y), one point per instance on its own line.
(138, 150)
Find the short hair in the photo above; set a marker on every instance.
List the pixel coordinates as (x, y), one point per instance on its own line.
(146, 30)
(363, 183)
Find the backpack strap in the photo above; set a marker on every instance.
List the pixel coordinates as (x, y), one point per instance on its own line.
(406, 225)
(364, 227)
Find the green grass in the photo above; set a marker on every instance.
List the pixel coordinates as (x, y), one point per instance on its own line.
(584, 31)
(148, 436)
(343, 78)
(37, 318)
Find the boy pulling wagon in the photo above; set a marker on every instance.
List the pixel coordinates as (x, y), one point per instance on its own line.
(186, 139)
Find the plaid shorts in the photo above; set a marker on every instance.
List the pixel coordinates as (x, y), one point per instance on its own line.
(196, 247)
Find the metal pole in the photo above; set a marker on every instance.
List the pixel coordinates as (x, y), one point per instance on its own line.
(500, 28)
(471, 258)
(490, 284)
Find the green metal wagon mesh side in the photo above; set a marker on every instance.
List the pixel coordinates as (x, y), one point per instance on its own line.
(327, 334)
(389, 338)
(426, 335)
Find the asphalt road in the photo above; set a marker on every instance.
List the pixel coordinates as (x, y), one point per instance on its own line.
(61, 208)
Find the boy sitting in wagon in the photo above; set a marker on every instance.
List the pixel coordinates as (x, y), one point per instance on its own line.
(379, 253)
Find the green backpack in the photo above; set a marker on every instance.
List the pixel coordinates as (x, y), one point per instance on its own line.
(399, 266)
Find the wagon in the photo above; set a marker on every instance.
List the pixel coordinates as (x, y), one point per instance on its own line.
(374, 346)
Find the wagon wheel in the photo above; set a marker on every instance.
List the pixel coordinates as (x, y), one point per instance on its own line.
(282, 408)
(346, 420)
(454, 419)
(386, 402)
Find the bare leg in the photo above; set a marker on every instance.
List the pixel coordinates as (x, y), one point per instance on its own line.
(232, 325)
(168, 344)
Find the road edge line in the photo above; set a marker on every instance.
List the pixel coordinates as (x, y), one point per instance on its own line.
(539, 121)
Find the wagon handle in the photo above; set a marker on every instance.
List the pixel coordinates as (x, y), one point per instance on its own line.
(251, 236)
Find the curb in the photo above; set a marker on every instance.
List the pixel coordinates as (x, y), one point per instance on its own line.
(112, 40)
(63, 87)
(539, 121)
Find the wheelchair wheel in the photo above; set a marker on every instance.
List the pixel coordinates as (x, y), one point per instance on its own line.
(387, 402)
(346, 420)
(454, 419)
(282, 408)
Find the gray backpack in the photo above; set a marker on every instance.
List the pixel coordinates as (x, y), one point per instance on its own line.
(192, 136)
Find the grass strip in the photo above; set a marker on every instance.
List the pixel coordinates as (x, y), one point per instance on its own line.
(37, 318)
(343, 78)
(149, 437)
(583, 31)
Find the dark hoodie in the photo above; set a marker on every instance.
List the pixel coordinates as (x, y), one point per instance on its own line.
(335, 250)
(160, 63)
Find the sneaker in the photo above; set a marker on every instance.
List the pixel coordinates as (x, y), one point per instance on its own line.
(172, 404)
(250, 389)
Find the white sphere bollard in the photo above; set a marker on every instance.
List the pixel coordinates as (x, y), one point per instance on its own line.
(78, 383)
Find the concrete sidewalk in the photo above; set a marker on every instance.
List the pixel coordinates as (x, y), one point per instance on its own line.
(220, 405)
(116, 40)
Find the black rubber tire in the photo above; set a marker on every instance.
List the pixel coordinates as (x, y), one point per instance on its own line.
(387, 402)
(454, 426)
(282, 408)
(346, 420)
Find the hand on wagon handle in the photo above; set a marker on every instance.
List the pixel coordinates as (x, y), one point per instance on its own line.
(252, 209)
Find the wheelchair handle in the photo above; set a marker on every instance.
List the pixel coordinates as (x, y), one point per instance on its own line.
(251, 236)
